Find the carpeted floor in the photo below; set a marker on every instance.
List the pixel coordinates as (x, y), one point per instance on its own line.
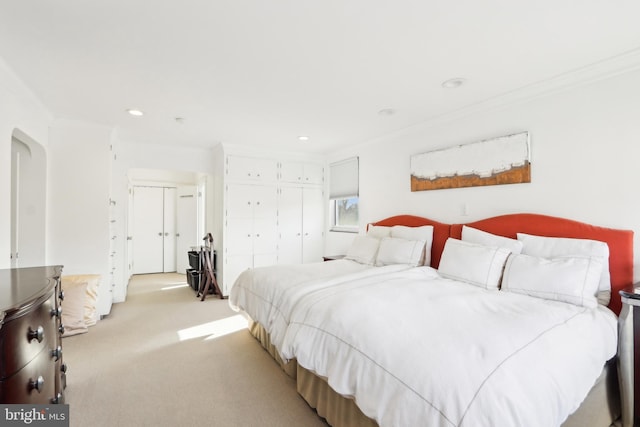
(164, 358)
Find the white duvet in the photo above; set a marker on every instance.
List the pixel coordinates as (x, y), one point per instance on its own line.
(415, 349)
(268, 294)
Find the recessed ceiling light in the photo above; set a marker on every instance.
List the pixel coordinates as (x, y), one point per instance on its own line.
(303, 138)
(135, 112)
(453, 83)
(387, 112)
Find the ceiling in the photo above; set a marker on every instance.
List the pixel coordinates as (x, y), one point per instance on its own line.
(264, 73)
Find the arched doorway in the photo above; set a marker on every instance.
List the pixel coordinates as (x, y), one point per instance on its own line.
(28, 201)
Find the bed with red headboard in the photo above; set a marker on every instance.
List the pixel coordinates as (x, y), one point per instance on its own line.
(620, 242)
(601, 406)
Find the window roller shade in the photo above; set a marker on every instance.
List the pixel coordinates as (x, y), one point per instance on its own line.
(343, 179)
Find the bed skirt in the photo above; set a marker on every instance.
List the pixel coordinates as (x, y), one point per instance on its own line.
(258, 331)
(601, 407)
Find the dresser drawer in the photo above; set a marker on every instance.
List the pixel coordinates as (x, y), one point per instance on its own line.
(35, 383)
(26, 336)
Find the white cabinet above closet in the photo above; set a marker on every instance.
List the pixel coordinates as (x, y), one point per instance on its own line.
(239, 168)
(301, 173)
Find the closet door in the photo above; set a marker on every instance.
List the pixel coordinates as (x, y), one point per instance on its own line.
(187, 225)
(290, 225)
(154, 230)
(148, 232)
(169, 231)
(312, 224)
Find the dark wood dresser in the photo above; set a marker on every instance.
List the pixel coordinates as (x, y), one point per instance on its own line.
(31, 365)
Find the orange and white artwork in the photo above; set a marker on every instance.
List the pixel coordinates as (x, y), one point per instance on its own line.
(495, 161)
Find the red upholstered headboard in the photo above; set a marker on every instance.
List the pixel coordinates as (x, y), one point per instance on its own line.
(620, 242)
(441, 232)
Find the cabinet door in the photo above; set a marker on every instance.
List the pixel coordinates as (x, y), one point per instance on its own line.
(240, 200)
(265, 170)
(290, 225)
(292, 172)
(239, 237)
(313, 173)
(312, 224)
(265, 235)
(265, 201)
(234, 265)
(250, 168)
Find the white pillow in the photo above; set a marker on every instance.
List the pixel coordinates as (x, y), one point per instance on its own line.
(379, 231)
(423, 233)
(363, 250)
(554, 247)
(473, 235)
(473, 263)
(399, 251)
(568, 279)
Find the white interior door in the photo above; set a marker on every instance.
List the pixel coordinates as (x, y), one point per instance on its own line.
(187, 225)
(290, 225)
(312, 224)
(148, 230)
(169, 230)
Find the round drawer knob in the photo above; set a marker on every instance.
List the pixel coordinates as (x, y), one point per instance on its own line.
(61, 329)
(37, 384)
(38, 334)
(57, 400)
(63, 368)
(56, 312)
(61, 295)
(56, 353)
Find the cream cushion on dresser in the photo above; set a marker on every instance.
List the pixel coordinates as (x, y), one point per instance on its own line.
(73, 308)
(91, 294)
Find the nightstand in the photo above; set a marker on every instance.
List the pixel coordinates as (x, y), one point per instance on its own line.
(332, 257)
(628, 357)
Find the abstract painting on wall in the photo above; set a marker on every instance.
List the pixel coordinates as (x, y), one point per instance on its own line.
(495, 161)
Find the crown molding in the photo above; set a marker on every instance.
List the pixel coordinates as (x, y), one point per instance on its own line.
(601, 70)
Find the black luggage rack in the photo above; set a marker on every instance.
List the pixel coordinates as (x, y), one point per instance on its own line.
(202, 276)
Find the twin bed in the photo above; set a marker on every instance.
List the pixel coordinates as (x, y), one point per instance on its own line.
(505, 321)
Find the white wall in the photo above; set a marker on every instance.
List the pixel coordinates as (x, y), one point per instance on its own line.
(585, 145)
(78, 202)
(19, 109)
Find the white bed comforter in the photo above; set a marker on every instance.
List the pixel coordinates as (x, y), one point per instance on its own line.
(268, 294)
(415, 349)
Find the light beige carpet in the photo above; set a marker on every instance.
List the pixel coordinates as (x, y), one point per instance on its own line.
(164, 358)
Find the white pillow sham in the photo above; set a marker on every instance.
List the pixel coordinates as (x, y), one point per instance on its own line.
(473, 263)
(473, 235)
(554, 247)
(569, 279)
(423, 233)
(363, 250)
(400, 251)
(378, 231)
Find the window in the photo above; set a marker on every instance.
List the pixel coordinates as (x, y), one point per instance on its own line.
(343, 195)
